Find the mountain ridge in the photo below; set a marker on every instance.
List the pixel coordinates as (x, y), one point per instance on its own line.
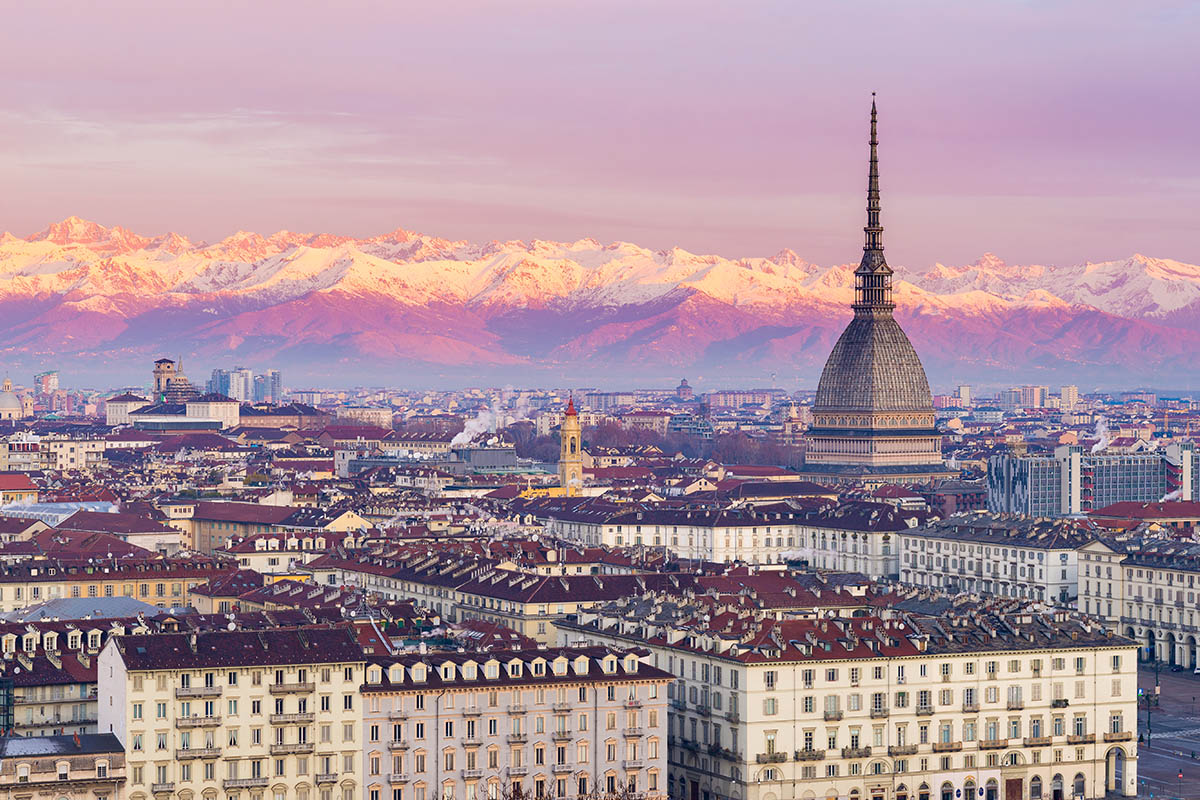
(81, 293)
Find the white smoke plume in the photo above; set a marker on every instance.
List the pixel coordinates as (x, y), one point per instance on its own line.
(1102, 437)
(1175, 495)
(481, 423)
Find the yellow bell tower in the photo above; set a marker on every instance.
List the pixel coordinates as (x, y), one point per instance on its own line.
(570, 457)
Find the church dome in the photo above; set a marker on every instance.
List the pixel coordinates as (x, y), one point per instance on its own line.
(873, 367)
(10, 406)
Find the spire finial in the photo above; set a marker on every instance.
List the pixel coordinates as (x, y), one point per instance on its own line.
(874, 285)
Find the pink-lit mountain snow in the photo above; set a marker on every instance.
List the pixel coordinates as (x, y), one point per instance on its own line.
(401, 306)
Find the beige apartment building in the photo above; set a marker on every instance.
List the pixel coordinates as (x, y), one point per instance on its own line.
(904, 708)
(163, 582)
(535, 723)
(84, 767)
(260, 715)
(1149, 590)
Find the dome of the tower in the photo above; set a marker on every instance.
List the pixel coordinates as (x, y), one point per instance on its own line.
(873, 367)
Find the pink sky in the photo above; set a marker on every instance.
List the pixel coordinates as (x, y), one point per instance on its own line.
(1042, 131)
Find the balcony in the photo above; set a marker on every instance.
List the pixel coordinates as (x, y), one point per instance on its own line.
(808, 755)
(517, 738)
(1015, 705)
(856, 752)
(518, 770)
(326, 777)
(924, 711)
(516, 708)
(692, 744)
(1061, 702)
(633, 763)
(470, 774)
(159, 788)
(732, 716)
(1036, 741)
(561, 706)
(833, 716)
(397, 716)
(472, 711)
(771, 758)
(252, 783)
(1119, 736)
(970, 708)
(633, 702)
(287, 719)
(397, 777)
(723, 752)
(902, 750)
(634, 732)
(291, 749)
(946, 747)
(197, 722)
(293, 688)
(992, 744)
(471, 741)
(398, 744)
(1081, 738)
(879, 713)
(561, 736)
(561, 769)
(198, 691)
(199, 752)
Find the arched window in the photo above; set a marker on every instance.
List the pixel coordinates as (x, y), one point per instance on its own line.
(1035, 788)
(1080, 784)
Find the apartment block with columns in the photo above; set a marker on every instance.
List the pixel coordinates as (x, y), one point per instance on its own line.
(559, 722)
(1147, 589)
(260, 715)
(898, 706)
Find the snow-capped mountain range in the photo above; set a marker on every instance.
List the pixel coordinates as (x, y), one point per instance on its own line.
(403, 305)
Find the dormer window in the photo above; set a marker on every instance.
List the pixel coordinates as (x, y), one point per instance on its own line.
(492, 670)
(539, 668)
(514, 669)
(448, 672)
(560, 667)
(609, 664)
(374, 675)
(396, 674)
(418, 673)
(469, 672)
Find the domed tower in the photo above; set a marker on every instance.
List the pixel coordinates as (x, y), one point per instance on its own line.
(873, 415)
(11, 406)
(570, 454)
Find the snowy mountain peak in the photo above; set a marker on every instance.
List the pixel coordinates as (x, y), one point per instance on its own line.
(77, 231)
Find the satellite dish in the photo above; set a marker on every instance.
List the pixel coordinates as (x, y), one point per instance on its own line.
(232, 626)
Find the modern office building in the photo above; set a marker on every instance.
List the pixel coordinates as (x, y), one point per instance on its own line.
(1074, 480)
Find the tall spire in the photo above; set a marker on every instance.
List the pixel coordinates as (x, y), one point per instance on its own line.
(873, 231)
(873, 278)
